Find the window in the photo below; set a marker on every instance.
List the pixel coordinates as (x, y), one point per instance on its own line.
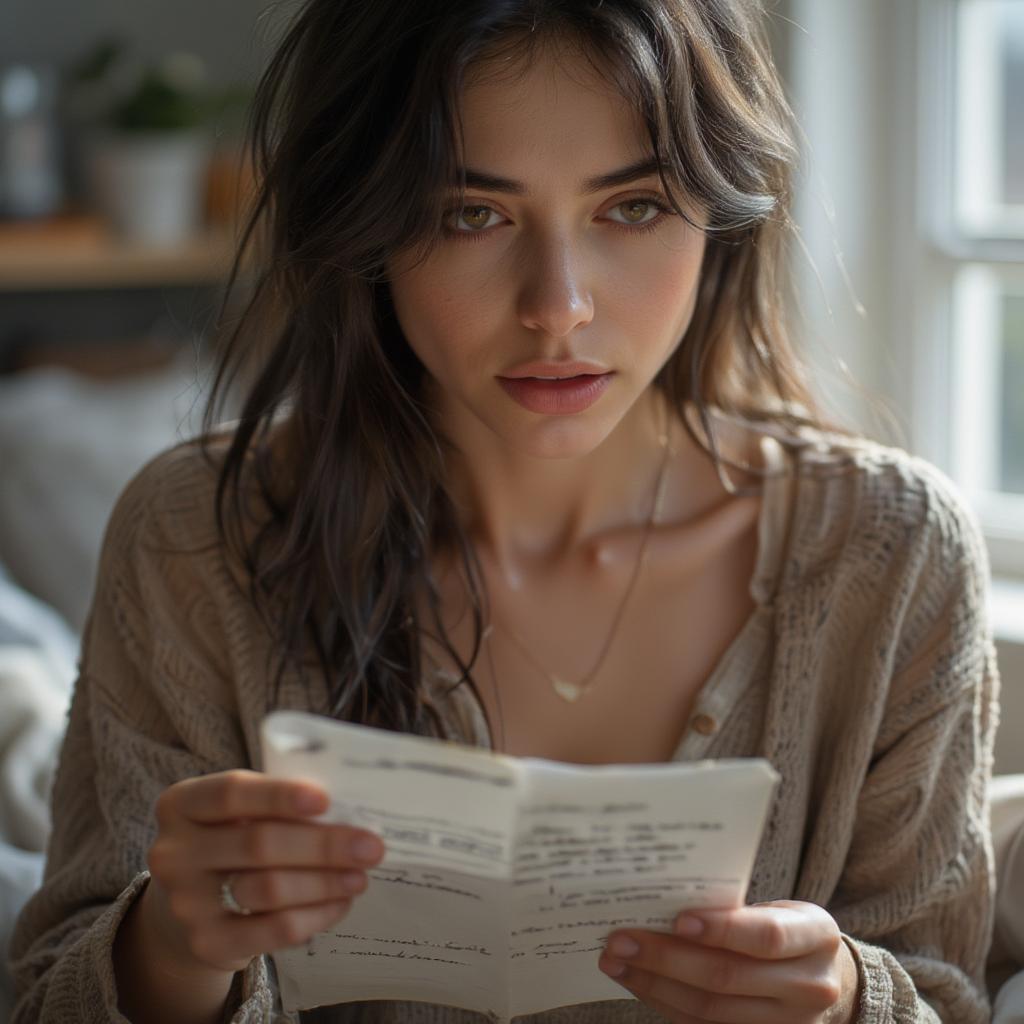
(911, 210)
(977, 214)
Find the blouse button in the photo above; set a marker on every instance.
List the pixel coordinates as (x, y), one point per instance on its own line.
(704, 724)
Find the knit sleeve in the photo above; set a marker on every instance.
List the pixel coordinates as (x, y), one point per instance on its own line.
(915, 901)
(147, 710)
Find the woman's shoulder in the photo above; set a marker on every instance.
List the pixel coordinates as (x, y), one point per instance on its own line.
(842, 469)
(170, 494)
(171, 502)
(884, 483)
(857, 505)
(875, 510)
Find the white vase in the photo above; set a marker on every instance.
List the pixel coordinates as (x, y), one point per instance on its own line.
(150, 187)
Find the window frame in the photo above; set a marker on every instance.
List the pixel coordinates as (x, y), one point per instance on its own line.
(930, 253)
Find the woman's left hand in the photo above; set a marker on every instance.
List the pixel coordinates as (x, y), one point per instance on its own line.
(783, 962)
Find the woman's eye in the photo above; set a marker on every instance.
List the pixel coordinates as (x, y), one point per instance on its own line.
(476, 218)
(639, 211)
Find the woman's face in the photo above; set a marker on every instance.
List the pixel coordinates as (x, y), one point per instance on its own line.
(553, 268)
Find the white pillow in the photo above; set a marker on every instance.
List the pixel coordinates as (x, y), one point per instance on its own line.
(1006, 793)
(1009, 1004)
(68, 446)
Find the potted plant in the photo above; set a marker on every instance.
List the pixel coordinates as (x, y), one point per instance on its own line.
(147, 141)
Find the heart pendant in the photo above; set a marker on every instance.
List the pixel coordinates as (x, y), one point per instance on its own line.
(566, 690)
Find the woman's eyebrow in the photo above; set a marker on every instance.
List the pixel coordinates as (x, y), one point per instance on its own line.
(623, 176)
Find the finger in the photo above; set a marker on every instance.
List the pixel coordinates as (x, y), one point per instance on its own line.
(779, 930)
(717, 971)
(279, 844)
(686, 1003)
(234, 936)
(240, 793)
(266, 891)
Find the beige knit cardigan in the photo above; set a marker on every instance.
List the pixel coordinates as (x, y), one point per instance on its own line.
(866, 675)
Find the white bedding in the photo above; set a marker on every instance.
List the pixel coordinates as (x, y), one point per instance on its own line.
(38, 654)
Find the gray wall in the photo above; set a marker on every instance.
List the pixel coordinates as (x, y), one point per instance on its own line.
(234, 38)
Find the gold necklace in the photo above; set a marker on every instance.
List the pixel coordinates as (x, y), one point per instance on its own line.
(566, 689)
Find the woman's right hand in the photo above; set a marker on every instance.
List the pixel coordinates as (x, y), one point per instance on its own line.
(297, 877)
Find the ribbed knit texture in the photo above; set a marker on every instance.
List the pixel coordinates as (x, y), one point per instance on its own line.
(866, 676)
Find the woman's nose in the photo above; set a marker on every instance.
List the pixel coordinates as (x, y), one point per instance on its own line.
(555, 296)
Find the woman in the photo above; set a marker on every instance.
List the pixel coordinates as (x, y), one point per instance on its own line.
(526, 460)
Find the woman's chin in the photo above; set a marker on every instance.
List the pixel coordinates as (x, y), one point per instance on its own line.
(560, 437)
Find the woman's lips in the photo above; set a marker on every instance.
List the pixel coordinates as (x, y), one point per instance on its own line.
(562, 397)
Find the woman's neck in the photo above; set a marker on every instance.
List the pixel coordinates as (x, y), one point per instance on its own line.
(524, 512)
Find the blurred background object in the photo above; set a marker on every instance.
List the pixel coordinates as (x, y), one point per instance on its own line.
(31, 183)
(136, 146)
(144, 152)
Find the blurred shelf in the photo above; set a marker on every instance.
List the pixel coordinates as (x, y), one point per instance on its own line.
(78, 251)
(103, 360)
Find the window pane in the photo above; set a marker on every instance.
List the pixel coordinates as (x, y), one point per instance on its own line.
(988, 380)
(1011, 469)
(990, 117)
(1012, 60)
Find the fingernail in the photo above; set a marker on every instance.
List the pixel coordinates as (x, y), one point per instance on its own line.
(623, 945)
(613, 969)
(309, 801)
(367, 849)
(353, 881)
(689, 927)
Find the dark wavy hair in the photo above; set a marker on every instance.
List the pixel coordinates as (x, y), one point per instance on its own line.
(357, 113)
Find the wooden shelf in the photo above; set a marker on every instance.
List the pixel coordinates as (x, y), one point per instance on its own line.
(78, 251)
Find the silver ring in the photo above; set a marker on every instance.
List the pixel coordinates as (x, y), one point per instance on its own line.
(227, 897)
